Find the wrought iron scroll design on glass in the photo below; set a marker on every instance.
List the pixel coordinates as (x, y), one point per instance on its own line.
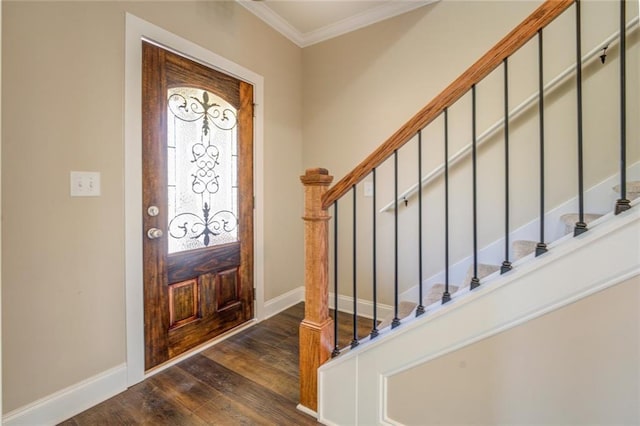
(202, 165)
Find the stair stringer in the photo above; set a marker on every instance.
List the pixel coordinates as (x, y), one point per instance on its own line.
(352, 388)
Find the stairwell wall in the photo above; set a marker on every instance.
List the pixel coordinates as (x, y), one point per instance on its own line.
(576, 365)
(361, 87)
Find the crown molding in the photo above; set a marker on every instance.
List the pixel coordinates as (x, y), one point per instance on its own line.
(274, 20)
(376, 14)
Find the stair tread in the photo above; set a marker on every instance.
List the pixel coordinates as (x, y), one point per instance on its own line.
(633, 189)
(570, 220)
(404, 309)
(435, 294)
(484, 269)
(522, 248)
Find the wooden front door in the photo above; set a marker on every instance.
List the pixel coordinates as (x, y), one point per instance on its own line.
(197, 141)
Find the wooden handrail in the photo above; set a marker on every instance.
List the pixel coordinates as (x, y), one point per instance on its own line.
(520, 35)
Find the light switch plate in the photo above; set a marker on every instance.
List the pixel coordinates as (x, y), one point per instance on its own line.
(368, 189)
(85, 184)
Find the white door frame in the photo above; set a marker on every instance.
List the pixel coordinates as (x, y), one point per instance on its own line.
(137, 30)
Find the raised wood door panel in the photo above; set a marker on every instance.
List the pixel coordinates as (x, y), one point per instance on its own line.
(198, 276)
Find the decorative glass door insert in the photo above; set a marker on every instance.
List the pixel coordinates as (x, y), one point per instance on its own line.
(202, 160)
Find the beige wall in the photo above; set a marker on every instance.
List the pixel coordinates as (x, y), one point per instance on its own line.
(63, 80)
(577, 365)
(361, 87)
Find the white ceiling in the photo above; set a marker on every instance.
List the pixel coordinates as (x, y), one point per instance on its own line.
(306, 22)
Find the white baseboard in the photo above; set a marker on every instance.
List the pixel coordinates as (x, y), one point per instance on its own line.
(364, 307)
(345, 304)
(306, 410)
(70, 401)
(282, 302)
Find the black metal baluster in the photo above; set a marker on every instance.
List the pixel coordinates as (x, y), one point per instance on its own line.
(623, 203)
(541, 247)
(506, 265)
(475, 282)
(581, 226)
(446, 296)
(336, 349)
(354, 341)
(420, 308)
(374, 331)
(396, 320)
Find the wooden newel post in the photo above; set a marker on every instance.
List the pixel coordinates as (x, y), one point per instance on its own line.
(316, 329)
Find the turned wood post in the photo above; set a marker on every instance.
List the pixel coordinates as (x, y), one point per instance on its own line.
(316, 329)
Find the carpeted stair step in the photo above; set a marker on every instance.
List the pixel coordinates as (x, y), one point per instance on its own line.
(522, 248)
(404, 309)
(633, 190)
(570, 220)
(436, 292)
(484, 269)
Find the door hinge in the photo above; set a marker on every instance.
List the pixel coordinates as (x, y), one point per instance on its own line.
(254, 293)
(254, 202)
(253, 110)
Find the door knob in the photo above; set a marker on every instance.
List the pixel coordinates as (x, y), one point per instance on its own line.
(154, 233)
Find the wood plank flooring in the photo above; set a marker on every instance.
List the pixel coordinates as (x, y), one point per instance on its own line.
(250, 378)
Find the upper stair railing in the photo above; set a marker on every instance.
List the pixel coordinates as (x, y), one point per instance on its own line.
(506, 47)
(598, 53)
(318, 331)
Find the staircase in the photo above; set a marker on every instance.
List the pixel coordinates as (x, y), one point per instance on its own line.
(521, 249)
(354, 387)
(509, 276)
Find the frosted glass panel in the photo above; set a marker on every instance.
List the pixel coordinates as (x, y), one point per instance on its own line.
(202, 170)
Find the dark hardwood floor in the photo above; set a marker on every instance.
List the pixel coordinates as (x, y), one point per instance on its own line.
(250, 378)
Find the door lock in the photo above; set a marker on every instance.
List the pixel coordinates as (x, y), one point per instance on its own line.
(153, 211)
(154, 233)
